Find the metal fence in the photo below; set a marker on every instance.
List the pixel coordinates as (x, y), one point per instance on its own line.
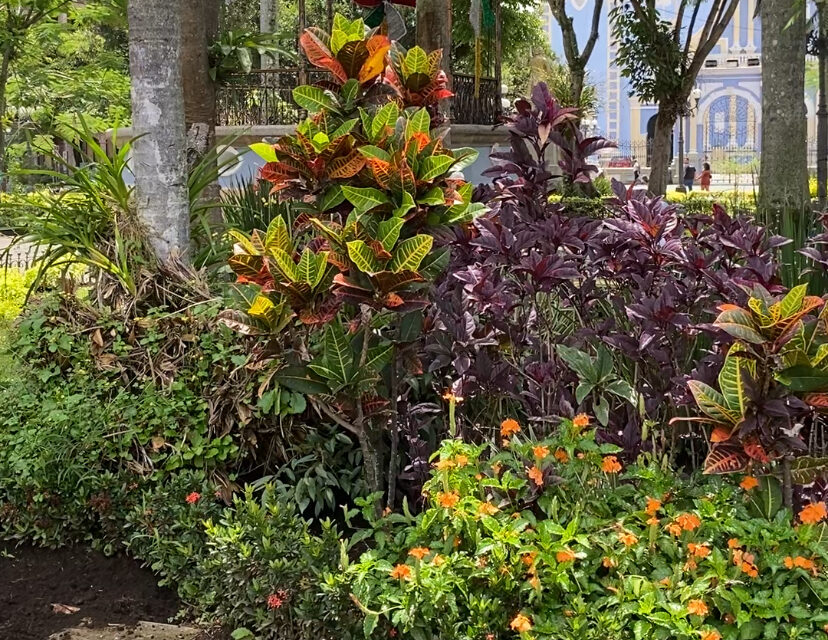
(265, 97)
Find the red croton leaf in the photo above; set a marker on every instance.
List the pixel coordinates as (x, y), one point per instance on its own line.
(320, 56)
(720, 434)
(818, 400)
(726, 458)
(756, 451)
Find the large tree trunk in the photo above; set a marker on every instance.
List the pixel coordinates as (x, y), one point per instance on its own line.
(269, 23)
(4, 77)
(434, 32)
(822, 109)
(662, 145)
(783, 184)
(199, 28)
(159, 158)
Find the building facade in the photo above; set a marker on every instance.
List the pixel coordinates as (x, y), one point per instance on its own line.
(725, 125)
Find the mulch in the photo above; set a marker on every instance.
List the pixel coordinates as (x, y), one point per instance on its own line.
(39, 587)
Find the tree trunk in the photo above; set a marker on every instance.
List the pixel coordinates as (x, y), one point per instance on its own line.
(822, 109)
(269, 23)
(577, 78)
(783, 184)
(4, 77)
(434, 32)
(662, 144)
(199, 27)
(159, 158)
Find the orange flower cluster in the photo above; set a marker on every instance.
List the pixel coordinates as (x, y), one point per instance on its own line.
(711, 635)
(609, 563)
(540, 452)
(461, 461)
(674, 529)
(733, 543)
(529, 558)
(536, 475)
(487, 509)
(448, 500)
(698, 550)
(419, 552)
(813, 513)
(697, 608)
(627, 539)
(688, 521)
(800, 563)
(521, 623)
(444, 465)
(567, 555)
(560, 456)
(401, 572)
(748, 483)
(509, 427)
(746, 562)
(653, 506)
(581, 420)
(610, 464)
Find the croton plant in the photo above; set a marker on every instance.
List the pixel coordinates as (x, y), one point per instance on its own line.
(775, 374)
(369, 179)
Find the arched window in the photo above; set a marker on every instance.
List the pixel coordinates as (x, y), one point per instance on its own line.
(730, 123)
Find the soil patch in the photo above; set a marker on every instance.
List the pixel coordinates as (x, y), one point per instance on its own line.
(40, 588)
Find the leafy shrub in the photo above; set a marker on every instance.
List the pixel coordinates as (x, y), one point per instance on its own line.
(700, 203)
(555, 538)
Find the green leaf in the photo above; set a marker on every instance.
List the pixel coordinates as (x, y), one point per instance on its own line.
(435, 263)
(732, 381)
(766, 499)
(264, 151)
(406, 206)
(338, 355)
(364, 199)
(313, 99)
(350, 90)
(712, 403)
(385, 117)
(320, 141)
(264, 309)
(369, 624)
(601, 409)
(433, 197)
(389, 232)
(245, 61)
(577, 360)
(803, 378)
(345, 128)
(242, 634)
(302, 380)
(583, 389)
(464, 157)
(379, 356)
(420, 122)
(416, 61)
(372, 151)
(807, 469)
(284, 263)
(331, 198)
(624, 390)
(363, 257)
(411, 326)
(410, 253)
(739, 324)
(312, 267)
(792, 302)
(277, 236)
(434, 166)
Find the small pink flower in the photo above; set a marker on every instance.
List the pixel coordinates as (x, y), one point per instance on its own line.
(194, 497)
(274, 601)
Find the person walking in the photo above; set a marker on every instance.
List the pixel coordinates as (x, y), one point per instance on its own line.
(689, 175)
(636, 170)
(705, 177)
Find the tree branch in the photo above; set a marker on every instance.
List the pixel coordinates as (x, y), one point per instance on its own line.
(593, 34)
(705, 47)
(323, 408)
(690, 31)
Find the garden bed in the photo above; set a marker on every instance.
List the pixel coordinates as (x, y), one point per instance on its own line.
(37, 583)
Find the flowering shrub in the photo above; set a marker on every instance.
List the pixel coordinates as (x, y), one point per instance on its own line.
(558, 539)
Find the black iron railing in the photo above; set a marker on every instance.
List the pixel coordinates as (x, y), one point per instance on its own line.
(264, 97)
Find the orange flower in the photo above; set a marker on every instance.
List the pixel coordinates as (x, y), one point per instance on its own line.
(419, 552)
(610, 464)
(748, 483)
(193, 497)
(711, 635)
(438, 560)
(813, 513)
(653, 521)
(609, 563)
(690, 565)
(529, 558)
(750, 569)
(534, 582)
(664, 582)
(697, 608)
(496, 467)
(560, 456)
(509, 427)
(789, 562)
(567, 555)
(627, 539)
(540, 452)
(699, 550)
(521, 623)
(674, 529)
(804, 563)
(581, 420)
(487, 509)
(536, 475)
(444, 465)
(401, 572)
(448, 500)
(653, 506)
(734, 543)
(449, 395)
(461, 461)
(688, 521)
